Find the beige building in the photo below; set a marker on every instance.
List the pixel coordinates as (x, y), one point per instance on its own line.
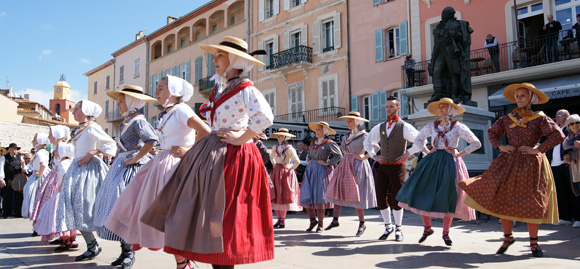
(100, 81)
(306, 74)
(8, 109)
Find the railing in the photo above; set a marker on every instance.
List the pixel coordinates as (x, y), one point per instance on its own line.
(205, 84)
(113, 115)
(294, 55)
(315, 115)
(506, 56)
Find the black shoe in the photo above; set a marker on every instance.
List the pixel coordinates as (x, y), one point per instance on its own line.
(399, 235)
(447, 240)
(56, 242)
(90, 254)
(313, 224)
(34, 233)
(536, 250)
(386, 234)
(119, 260)
(331, 225)
(361, 230)
(319, 228)
(510, 240)
(425, 235)
(129, 260)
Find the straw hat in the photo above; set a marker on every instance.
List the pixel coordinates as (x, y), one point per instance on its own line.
(133, 91)
(313, 126)
(232, 45)
(510, 92)
(353, 115)
(283, 132)
(433, 106)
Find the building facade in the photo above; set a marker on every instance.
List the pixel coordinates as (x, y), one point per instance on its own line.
(101, 79)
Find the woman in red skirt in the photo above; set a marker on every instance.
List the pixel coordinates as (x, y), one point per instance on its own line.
(217, 203)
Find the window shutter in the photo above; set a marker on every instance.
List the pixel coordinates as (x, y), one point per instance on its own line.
(175, 71)
(383, 105)
(316, 37)
(354, 103)
(304, 35)
(286, 4)
(275, 45)
(261, 8)
(337, 41)
(261, 57)
(286, 40)
(403, 47)
(332, 93)
(198, 69)
(378, 45)
(210, 65)
(299, 96)
(404, 105)
(151, 85)
(276, 7)
(188, 71)
(375, 106)
(377, 2)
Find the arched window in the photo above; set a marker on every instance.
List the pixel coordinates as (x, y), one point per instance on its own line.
(57, 109)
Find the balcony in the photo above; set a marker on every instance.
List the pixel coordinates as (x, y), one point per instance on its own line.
(507, 56)
(113, 115)
(315, 115)
(206, 86)
(296, 55)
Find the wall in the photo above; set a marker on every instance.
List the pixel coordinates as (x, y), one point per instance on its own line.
(100, 97)
(9, 110)
(20, 133)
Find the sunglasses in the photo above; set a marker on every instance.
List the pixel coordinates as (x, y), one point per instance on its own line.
(577, 123)
(27, 158)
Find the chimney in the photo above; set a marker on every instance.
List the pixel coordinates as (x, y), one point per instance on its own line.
(139, 35)
(27, 96)
(171, 19)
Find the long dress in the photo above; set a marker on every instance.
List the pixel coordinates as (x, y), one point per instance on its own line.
(135, 132)
(46, 189)
(352, 183)
(317, 177)
(286, 189)
(217, 203)
(432, 188)
(33, 184)
(76, 205)
(125, 217)
(518, 186)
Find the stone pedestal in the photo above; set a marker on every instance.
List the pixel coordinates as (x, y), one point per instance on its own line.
(478, 120)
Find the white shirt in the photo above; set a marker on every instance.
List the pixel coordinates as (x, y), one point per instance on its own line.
(372, 140)
(41, 156)
(174, 129)
(91, 138)
(247, 108)
(556, 160)
(459, 130)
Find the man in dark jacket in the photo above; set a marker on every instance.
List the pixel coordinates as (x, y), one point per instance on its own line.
(10, 166)
(551, 31)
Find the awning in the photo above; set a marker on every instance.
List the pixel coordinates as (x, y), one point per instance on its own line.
(555, 88)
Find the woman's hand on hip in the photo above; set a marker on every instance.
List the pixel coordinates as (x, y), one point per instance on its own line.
(506, 148)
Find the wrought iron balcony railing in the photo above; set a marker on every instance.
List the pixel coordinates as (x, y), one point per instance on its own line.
(299, 54)
(323, 114)
(205, 84)
(113, 115)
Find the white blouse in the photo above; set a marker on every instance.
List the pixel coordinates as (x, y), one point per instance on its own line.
(247, 108)
(459, 130)
(91, 138)
(173, 129)
(41, 156)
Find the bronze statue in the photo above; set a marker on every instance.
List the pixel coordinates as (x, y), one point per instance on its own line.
(450, 67)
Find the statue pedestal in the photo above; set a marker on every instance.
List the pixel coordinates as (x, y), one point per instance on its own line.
(478, 120)
(463, 103)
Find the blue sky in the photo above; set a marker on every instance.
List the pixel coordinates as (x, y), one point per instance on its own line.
(42, 39)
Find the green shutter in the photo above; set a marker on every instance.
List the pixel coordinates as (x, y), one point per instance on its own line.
(198, 69)
(210, 66)
(377, 2)
(383, 105)
(403, 44)
(354, 103)
(375, 106)
(188, 71)
(378, 45)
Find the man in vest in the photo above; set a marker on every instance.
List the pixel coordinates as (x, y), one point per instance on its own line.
(10, 166)
(392, 135)
(302, 155)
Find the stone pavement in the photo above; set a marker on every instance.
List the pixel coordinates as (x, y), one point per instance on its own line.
(474, 246)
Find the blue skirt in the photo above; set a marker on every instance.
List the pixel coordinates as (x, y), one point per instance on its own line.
(313, 191)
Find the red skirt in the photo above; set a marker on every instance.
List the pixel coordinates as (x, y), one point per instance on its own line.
(248, 234)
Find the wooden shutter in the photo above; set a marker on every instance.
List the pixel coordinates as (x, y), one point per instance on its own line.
(261, 8)
(262, 58)
(276, 7)
(403, 43)
(188, 71)
(354, 103)
(375, 106)
(377, 2)
(198, 69)
(379, 45)
(316, 37)
(337, 35)
(286, 40)
(286, 4)
(383, 105)
(304, 35)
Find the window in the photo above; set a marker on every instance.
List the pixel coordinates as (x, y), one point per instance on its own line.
(295, 39)
(566, 12)
(214, 28)
(270, 96)
(210, 65)
(107, 82)
(121, 73)
(269, 52)
(269, 10)
(183, 43)
(198, 69)
(366, 107)
(95, 88)
(169, 48)
(561, 2)
(232, 20)
(294, 3)
(378, 104)
(296, 101)
(183, 71)
(327, 35)
(57, 109)
(106, 109)
(137, 67)
(328, 96)
(405, 108)
(378, 2)
(197, 36)
(392, 42)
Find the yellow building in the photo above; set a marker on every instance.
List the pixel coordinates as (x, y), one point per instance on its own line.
(8, 109)
(100, 80)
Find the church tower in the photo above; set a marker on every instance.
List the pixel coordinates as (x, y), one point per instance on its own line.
(62, 100)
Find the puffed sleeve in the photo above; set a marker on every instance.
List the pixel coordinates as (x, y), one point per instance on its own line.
(552, 132)
(469, 136)
(421, 138)
(335, 154)
(104, 142)
(145, 131)
(372, 140)
(183, 114)
(497, 130)
(272, 154)
(259, 111)
(43, 156)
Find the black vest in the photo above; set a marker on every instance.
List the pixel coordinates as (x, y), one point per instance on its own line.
(12, 166)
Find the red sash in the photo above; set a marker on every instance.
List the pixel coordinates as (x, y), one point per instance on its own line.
(224, 96)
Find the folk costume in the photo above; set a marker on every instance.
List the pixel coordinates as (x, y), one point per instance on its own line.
(41, 157)
(11, 166)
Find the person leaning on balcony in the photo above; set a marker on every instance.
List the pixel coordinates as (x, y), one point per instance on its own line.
(518, 185)
(550, 32)
(410, 69)
(493, 49)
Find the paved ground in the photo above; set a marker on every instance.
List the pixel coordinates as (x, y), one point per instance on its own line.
(474, 246)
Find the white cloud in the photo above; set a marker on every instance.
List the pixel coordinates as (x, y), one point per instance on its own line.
(45, 27)
(40, 96)
(85, 61)
(3, 14)
(45, 52)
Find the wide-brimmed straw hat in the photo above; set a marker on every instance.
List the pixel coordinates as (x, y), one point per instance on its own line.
(313, 125)
(133, 91)
(353, 115)
(434, 106)
(510, 92)
(283, 132)
(232, 45)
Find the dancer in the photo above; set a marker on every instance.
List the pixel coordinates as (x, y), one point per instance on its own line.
(40, 171)
(136, 139)
(84, 177)
(431, 190)
(324, 154)
(46, 223)
(286, 188)
(519, 185)
(393, 135)
(352, 183)
(229, 220)
(177, 133)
